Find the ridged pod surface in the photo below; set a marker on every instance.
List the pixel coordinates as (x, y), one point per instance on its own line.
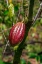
(17, 33)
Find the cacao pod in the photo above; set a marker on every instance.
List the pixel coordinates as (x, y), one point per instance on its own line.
(17, 33)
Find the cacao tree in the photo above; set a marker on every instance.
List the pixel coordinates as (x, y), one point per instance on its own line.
(18, 16)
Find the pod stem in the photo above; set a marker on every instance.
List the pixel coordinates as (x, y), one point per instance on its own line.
(22, 45)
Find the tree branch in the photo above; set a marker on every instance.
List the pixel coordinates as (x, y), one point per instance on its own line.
(22, 45)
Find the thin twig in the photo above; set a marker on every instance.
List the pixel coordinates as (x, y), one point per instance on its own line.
(5, 40)
(38, 13)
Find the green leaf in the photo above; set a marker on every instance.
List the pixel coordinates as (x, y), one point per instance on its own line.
(1, 62)
(37, 58)
(22, 61)
(5, 12)
(29, 62)
(40, 58)
(6, 63)
(41, 21)
(32, 55)
(16, 8)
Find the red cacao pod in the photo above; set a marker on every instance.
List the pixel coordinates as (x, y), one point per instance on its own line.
(17, 33)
